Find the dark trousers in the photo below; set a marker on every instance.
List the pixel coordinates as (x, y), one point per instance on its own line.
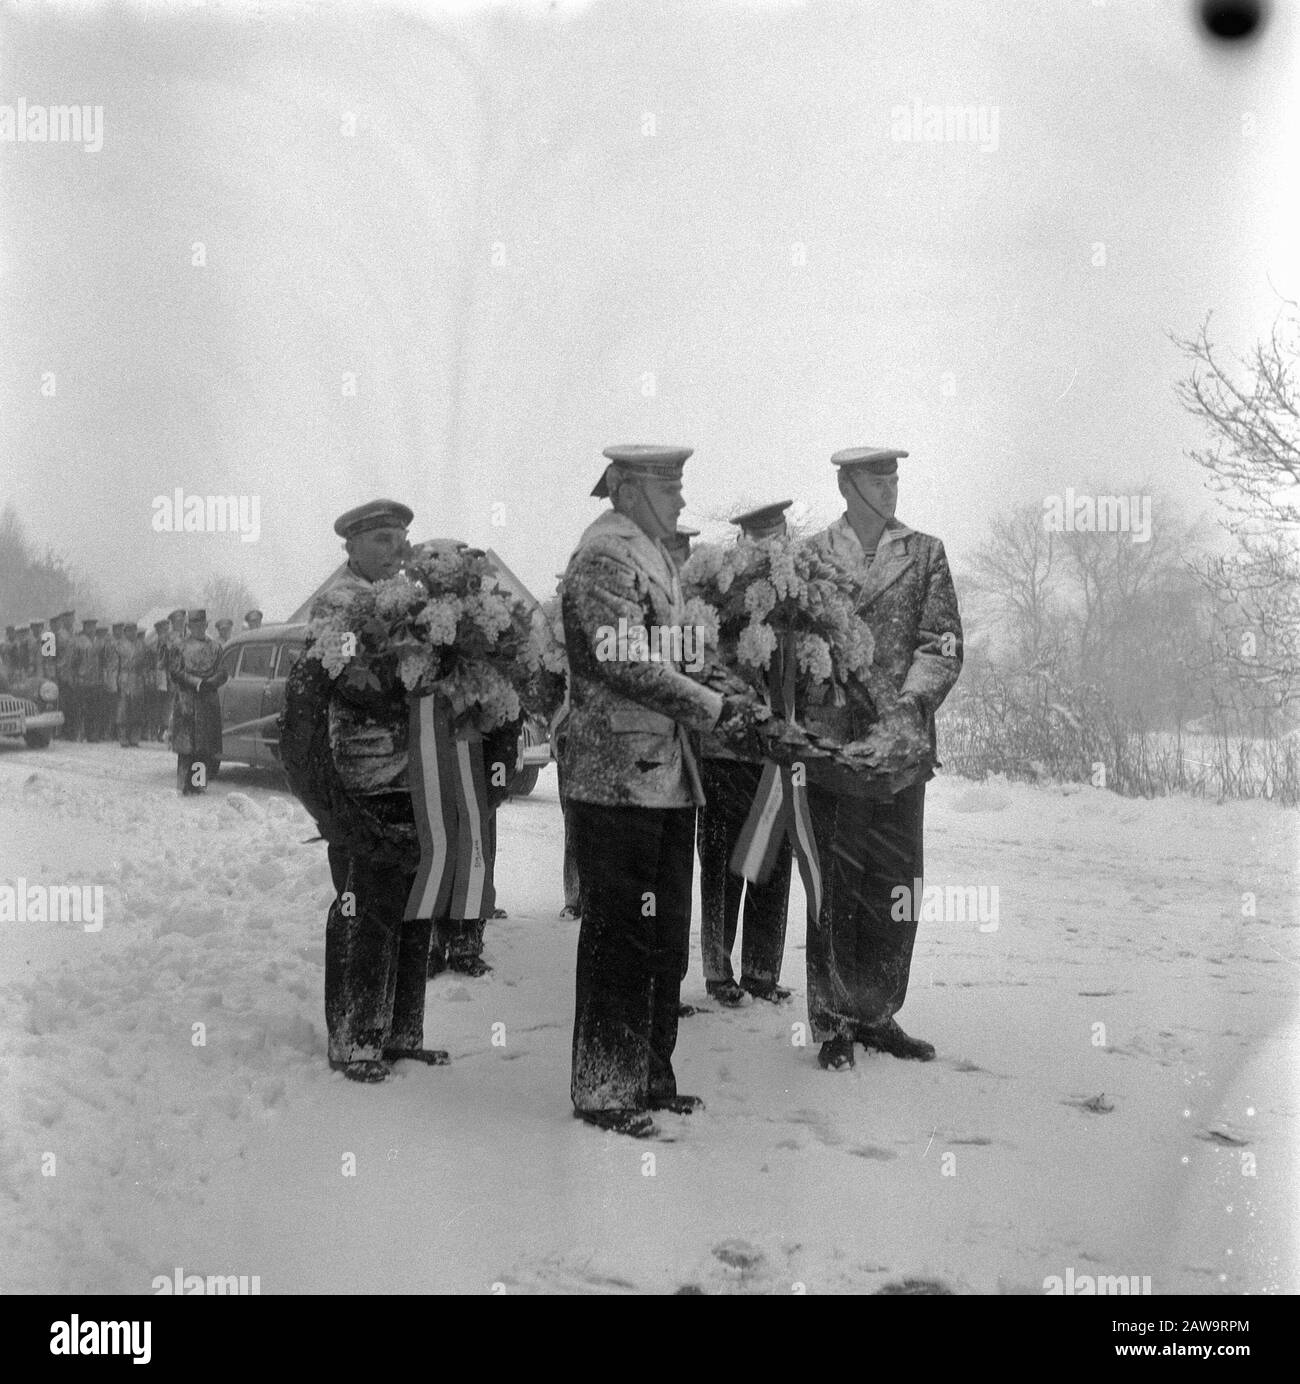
(729, 788)
(858, 956)
(92, 712)
(572, 891)
(636, 865)
(461, 939)
(374, 962)
(128, 717)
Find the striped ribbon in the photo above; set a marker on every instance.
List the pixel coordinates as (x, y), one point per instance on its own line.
(780, 806)
(452, 817)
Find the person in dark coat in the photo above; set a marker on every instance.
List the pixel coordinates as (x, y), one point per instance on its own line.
(196, 713)
(345, 750)
(632, 785)
(869, 826)
(730, 783)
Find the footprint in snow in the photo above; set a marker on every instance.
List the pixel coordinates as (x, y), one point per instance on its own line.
(1094, 1105)
(1217, 1134)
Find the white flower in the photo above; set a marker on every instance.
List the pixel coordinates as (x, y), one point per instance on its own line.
(701, 615)
(760, 599)
(755, 645)
(394, 596)
(439, 619)
(814, 655)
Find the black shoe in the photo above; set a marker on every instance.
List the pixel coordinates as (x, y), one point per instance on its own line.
(726, 992)
(498, 913)
(432, 1057)
(888, 1037)
(468, 965)
(679, 1105)
(769, 991)
(686, 1011)
(836, 1054)
(636, 1124)
(363, 1069)
(569, 911)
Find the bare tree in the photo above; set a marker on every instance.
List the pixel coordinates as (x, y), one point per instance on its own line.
(1251, 410)
(32, 586)
(227, 597)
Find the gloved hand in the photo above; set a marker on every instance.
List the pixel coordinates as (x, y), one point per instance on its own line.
(899, 739)
(737, 726)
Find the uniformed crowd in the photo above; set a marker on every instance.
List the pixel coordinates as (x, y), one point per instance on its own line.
(114, 681)
(657, 761)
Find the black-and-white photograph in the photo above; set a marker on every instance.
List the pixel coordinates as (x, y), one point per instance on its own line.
(651, 647)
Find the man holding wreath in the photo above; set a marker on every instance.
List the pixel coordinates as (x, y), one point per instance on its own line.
(869, 825)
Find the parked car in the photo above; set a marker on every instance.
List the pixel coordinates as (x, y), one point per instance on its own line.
(29, 710)
(258, 662)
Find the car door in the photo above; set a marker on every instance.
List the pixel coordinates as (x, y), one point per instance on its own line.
(287, 655)
(243, 702)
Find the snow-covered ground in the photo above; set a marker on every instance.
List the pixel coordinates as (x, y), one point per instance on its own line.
(1123, 965)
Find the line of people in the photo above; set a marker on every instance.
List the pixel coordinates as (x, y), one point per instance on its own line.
(114, 681)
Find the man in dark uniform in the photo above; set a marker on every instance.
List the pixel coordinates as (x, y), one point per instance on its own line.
(65, 639)
(39, 663)
(176, 637)
(196, 717)
(869, 826)
(730, 783)
(374, 959)
(632, 786)
(84, 674)
(158, 688)
(130, 687)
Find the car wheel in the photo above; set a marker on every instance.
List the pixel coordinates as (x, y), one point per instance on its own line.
(37, 739)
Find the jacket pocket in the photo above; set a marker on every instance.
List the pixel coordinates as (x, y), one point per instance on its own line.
(626, 720)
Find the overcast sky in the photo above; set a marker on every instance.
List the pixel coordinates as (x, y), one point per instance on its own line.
(615, 222)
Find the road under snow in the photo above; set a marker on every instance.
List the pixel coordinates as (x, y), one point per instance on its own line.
(1124, 964)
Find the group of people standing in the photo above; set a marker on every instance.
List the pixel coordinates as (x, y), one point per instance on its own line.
(654, 763)
(113, 680)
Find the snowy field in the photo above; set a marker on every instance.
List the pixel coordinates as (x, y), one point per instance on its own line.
(1121, 967)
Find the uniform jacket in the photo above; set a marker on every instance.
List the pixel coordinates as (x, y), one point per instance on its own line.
(130, 680)
(908, 600)
(631, 722)
(196, 715)
(63, 656)
(85, 662)
(107, 656)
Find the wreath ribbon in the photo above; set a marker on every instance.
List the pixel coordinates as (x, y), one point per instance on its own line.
(452, 817)
(780, 807)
